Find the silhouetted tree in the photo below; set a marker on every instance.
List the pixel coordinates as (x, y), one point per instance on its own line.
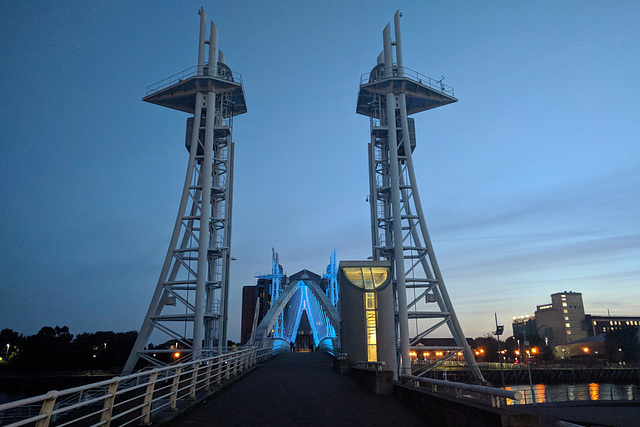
(55, 349)
(487, 347)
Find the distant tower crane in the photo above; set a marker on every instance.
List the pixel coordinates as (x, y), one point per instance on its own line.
(190, 304)
(388, 95)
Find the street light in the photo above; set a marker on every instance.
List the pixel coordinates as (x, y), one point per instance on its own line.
(497, 333)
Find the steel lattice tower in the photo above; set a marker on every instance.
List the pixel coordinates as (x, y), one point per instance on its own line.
(388, 95)
(189, 305)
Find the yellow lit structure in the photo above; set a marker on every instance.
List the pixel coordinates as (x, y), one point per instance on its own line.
(366, 311)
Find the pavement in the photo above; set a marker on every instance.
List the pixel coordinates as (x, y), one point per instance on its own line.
(297, 389)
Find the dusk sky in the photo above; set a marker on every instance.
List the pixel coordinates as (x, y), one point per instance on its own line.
(530, 183)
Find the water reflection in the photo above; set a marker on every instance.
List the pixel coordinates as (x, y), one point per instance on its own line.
(594, 391)
(545, 393)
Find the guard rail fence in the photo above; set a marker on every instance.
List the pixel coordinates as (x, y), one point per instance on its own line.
(132, 398)
(496, 397)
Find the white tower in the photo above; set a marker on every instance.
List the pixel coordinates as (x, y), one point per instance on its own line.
(189, 305)
(388, 95)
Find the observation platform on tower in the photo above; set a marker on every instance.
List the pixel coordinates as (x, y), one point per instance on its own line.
(422, 92)
(178, 91)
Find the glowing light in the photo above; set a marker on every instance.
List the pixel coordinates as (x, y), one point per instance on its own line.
(534, 350)
(585, 349)
(176, 355)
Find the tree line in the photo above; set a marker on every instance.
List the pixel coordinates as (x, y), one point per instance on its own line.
(56, 349)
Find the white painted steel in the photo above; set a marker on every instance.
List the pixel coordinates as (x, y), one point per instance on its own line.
(396, 209)
(202, 40)
(189, 305)
(399, 273)
(204, 235)
(494, 396)
(213, 50)
(396, 27)
(399, 231)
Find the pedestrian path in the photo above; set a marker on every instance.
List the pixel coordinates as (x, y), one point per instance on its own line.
(298, 389)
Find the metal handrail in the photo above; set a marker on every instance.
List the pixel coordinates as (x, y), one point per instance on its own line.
(495, 396)
(112, 399)
(416, 77)
(188, 73)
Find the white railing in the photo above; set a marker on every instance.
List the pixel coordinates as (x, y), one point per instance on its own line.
(399, 72)
(192, 72)
(496, 397)
(132, 398)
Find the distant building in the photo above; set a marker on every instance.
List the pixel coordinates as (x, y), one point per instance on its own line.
(562, 321)
(597, 325)
(564, 326)
(252, 295)
(522, 324)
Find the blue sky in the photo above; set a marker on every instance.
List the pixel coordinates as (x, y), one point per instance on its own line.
(530, 183)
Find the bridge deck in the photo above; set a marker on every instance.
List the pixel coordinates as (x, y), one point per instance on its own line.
(300, 389)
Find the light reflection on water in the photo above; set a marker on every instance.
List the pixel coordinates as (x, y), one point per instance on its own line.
(545, 393)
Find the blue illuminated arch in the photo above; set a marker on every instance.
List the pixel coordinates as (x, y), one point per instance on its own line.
(303, 295)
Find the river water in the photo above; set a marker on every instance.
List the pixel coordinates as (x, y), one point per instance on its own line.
(576, 392)
(10, 397)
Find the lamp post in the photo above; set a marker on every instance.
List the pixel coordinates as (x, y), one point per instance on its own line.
(526, 343)
(497, 333)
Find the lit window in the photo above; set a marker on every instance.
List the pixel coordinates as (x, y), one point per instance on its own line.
(568, 325)
(611, 322)
(370, 325)
(594, 322)
(564, 304)
(568, 332)
(565, 311)
(367, 277)
(566, 318)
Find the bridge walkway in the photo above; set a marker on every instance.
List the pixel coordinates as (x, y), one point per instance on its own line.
(297, 389)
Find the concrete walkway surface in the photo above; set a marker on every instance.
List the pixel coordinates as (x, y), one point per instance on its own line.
(298, 389)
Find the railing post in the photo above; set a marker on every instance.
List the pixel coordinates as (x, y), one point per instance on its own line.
(207, 383)
(145, 420)
(194, 382)
(47, 407)
(219, 370)
(233, 364)
(173, 405)
(227, 373)
(107, 408)
(243, 363)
